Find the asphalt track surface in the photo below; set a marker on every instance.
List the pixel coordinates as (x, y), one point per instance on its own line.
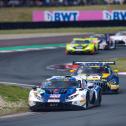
(30, 68)
(38, 40)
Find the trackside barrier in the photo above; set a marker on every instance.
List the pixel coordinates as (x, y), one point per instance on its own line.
(78, 15)
(74, 24)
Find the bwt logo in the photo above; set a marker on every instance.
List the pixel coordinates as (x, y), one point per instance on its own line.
(114, 15)
(61, 16)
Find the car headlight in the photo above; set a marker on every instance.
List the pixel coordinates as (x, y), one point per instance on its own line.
(72, 96)
(104, 80)
(69, 48)
(87, 47)
(38, 96)
(72, 46)
(113, 82)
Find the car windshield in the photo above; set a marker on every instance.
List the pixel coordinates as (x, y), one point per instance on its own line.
(60, 84)
(98, 36)
(92, 70)
(81, 42)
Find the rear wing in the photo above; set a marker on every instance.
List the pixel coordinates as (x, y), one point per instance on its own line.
(99, 63)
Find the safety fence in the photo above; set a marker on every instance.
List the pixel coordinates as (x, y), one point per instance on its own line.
(74, 24)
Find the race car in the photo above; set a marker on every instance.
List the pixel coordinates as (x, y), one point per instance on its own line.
(101, 73)
(64, 92)
(119, 38)
(104, 41)
(82, 45)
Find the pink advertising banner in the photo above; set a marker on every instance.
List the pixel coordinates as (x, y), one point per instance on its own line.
(90, 15)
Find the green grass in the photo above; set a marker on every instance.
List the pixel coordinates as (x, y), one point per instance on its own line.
(25, 13)
(13, 93)
(65, 30)
(13, 99)
(16, 97)
(121, 64)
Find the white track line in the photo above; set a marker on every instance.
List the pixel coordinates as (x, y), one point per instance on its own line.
(17, 84)
(28, 49)
(38, 35)
(16, 115)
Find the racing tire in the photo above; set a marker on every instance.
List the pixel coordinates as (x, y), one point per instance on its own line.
(67, 52)
(112, 47)
(92, 53)
(99, 98)
(87, 102)
(33, 109)
(96, 51)
(93, 101)
(115, 46)
(116, 92)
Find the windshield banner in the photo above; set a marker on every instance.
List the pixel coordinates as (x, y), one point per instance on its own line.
(90, 15)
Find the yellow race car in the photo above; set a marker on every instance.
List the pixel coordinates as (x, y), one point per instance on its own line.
(82, 45)
(101, 73)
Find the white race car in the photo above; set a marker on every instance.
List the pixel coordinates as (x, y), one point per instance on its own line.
(104, 41)
(64, 92)
(119, 37)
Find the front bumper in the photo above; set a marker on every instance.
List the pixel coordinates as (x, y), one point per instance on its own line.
(54, 106)
(81, 51)
(113, 88)
(120, 42)
(108, 88)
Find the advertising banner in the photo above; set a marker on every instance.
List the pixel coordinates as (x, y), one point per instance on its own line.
(114, 15)
(90, 15)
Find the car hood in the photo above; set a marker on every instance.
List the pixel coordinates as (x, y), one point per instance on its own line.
(118, 37)
(80, 45)
(57, 94)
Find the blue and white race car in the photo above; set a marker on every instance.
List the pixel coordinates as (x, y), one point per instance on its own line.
(64, 92)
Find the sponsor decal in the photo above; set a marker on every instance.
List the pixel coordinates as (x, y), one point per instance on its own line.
(55, 96)
(54, 100)
(61, 15)
(114, 15)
